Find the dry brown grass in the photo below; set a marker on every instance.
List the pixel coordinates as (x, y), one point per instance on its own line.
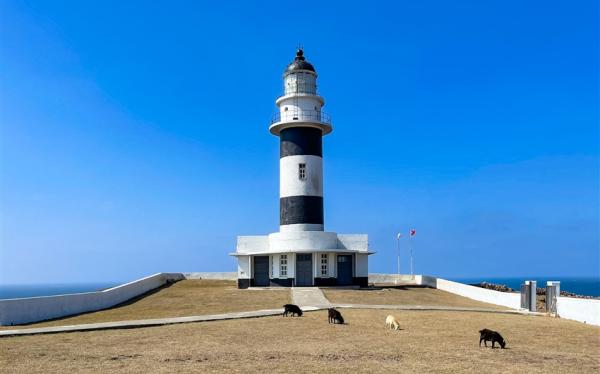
(445, 342)
(404, 296)
(184, 298)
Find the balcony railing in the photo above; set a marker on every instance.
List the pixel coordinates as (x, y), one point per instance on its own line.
(302, 115)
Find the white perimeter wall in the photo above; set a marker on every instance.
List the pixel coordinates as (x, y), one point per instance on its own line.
(507, 299)
(582, 310)
(214, 275)
(33, 309)
(393, 278)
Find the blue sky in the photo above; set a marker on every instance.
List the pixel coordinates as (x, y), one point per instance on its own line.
(134, 134)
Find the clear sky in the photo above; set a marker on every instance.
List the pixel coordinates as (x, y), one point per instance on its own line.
(134, 134)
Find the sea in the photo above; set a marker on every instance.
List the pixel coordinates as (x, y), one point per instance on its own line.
(587, 286)
(15, 291)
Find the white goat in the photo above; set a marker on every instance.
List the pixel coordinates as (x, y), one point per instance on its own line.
(392, 323)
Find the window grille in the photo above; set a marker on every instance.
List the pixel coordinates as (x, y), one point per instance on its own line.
(324, 264)
(283, 266)
(302, 171)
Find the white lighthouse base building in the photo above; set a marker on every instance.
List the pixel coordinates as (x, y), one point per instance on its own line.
(302, 258)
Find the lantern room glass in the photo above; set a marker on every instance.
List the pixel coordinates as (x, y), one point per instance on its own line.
(300, 82)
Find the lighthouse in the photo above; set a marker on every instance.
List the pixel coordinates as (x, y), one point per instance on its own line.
(300, 125)
(301, 253)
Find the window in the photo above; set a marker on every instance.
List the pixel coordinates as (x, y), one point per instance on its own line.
(283, 266)
(302, 171)
(324, 264)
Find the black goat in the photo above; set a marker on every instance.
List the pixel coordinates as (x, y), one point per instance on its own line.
(335, 316)
(486, 335)
(293, 309)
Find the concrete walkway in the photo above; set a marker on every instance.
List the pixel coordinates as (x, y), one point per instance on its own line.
(237, 315)
(309, 297)
(141, 323)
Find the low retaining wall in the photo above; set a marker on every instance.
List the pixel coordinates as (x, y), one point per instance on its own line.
(582, 310)
(393, 278)
(507, 299)
(212, 275)
(34, 309)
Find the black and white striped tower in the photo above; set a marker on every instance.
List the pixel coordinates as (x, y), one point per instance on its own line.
(300, 125)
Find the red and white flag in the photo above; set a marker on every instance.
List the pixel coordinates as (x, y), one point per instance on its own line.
(413, 232)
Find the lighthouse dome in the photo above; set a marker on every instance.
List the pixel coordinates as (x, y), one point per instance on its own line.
(299, 63)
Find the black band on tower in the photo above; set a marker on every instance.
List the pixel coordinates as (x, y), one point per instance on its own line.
(301, 141)
(300, 209)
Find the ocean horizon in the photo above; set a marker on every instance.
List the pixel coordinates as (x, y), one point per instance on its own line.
(588, 286)
(17, 291)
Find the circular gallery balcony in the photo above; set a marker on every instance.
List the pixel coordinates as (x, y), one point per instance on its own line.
(303, 118)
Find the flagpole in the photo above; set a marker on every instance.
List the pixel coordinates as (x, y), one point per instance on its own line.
(398, 258)
(411, 233)
(411, 256)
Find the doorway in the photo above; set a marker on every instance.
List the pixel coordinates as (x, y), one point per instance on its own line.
(304, 275)
(261, 271)
(344, 270)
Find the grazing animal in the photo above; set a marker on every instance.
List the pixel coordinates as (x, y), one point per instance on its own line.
(486, 335)
(335, 316)
(293, 309)
(392, 323)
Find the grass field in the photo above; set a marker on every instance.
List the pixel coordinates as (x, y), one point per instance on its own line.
(184, 298)
(404, 296)
(200, 297)
(445, 342)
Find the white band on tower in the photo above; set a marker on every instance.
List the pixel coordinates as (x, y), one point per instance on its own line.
(292, 183)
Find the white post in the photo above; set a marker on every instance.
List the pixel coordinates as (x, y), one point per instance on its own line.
(552, 294)
(533, 296)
